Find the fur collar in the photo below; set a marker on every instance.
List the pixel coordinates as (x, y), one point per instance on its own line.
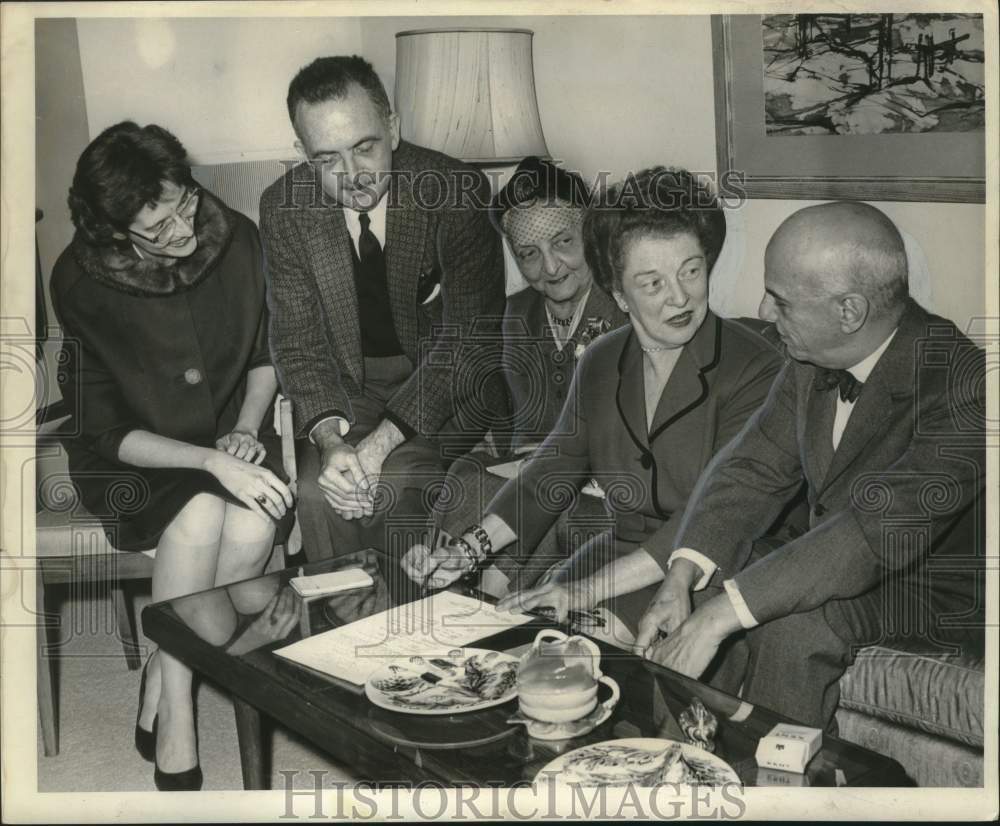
(124, 270)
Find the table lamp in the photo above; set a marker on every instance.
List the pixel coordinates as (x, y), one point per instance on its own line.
(469, 93)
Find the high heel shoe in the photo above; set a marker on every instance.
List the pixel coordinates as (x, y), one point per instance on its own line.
(189, 780)
(145, 741)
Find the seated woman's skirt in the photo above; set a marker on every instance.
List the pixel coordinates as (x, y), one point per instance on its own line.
(135, 504)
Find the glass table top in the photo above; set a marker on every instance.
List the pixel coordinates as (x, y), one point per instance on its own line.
(230, 633)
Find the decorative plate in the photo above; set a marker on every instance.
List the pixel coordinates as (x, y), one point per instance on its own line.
(643, 762)
(467, 679)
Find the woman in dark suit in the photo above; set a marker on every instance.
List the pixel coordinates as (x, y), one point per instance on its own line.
(651, 403)
(161, 300)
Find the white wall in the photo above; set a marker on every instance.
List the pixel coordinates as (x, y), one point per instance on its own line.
(218, 84)
(622, 93)
(945, 243)
(60, 134)
(614, 93)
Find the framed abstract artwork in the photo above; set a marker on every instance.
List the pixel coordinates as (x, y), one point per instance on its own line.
(887, 107)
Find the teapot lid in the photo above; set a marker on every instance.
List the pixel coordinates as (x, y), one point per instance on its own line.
(565, 664)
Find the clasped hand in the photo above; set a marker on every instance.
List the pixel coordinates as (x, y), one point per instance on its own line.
(349, 477)
(242, 444)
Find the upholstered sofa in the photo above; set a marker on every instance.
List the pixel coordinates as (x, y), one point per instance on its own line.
(923, 709)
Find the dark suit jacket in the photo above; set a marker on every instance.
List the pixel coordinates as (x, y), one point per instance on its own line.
(538, 374)
(432, 235)
(721, 378)
(901, 497)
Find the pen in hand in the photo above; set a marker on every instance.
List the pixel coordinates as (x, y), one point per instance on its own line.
(424, 586)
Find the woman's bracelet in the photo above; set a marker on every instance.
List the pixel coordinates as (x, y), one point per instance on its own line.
(483, 538)
(467, 550)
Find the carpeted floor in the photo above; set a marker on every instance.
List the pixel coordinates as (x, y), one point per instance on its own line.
(97, 706)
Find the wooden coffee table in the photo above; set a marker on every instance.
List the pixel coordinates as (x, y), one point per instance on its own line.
(480, 748)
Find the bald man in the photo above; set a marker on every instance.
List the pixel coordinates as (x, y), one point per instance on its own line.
(880, 410)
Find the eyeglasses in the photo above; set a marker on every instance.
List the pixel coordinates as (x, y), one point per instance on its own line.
(185, 212)
(577, 619)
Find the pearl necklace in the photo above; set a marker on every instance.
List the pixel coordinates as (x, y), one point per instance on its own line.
(656, 349)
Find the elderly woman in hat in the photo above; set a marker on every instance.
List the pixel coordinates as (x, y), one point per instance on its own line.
(650, 405)
(547, 326)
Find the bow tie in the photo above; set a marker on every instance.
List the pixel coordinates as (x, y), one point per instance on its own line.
(843, 380)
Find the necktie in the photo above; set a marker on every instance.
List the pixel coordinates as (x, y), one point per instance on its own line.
(378, 331)
(369, 249)
(848, 386)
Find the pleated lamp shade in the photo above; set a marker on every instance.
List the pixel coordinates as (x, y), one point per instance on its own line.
(469, 93)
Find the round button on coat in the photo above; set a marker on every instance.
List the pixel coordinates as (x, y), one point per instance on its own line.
(192, 375)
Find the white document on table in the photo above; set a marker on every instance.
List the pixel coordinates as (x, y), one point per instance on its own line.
(508, 470)
(430, 627)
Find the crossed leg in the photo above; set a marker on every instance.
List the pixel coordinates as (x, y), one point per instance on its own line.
(208, 543)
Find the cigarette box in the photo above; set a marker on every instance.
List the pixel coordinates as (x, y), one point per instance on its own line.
(789, 748)
(321, 585)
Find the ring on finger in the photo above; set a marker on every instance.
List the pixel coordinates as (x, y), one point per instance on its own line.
(260, 499)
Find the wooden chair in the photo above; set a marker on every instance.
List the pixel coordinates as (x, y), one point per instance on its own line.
(73, 551)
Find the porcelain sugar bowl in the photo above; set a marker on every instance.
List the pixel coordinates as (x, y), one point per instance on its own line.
(558, 678)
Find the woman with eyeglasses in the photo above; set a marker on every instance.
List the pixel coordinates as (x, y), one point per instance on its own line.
(169, 381)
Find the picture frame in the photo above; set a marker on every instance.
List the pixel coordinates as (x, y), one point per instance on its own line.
(928, 166)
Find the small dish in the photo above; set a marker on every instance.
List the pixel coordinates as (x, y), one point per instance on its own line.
(468, 679)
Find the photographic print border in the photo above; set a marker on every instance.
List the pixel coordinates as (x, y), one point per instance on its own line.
(956, 161)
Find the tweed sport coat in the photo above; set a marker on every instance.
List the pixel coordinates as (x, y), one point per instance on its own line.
(453, 340)
(647, 472)
(900, 501)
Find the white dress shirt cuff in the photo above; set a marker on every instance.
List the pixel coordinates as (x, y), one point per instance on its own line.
(702, 561)
(747, 620)
(343, 426)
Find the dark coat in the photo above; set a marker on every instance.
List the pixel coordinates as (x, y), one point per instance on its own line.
(159, 348)
(453, 341)
(900, 501)
(538, 374)
(721, 378)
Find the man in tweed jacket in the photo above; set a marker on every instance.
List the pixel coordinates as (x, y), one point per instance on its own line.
(392, 367)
